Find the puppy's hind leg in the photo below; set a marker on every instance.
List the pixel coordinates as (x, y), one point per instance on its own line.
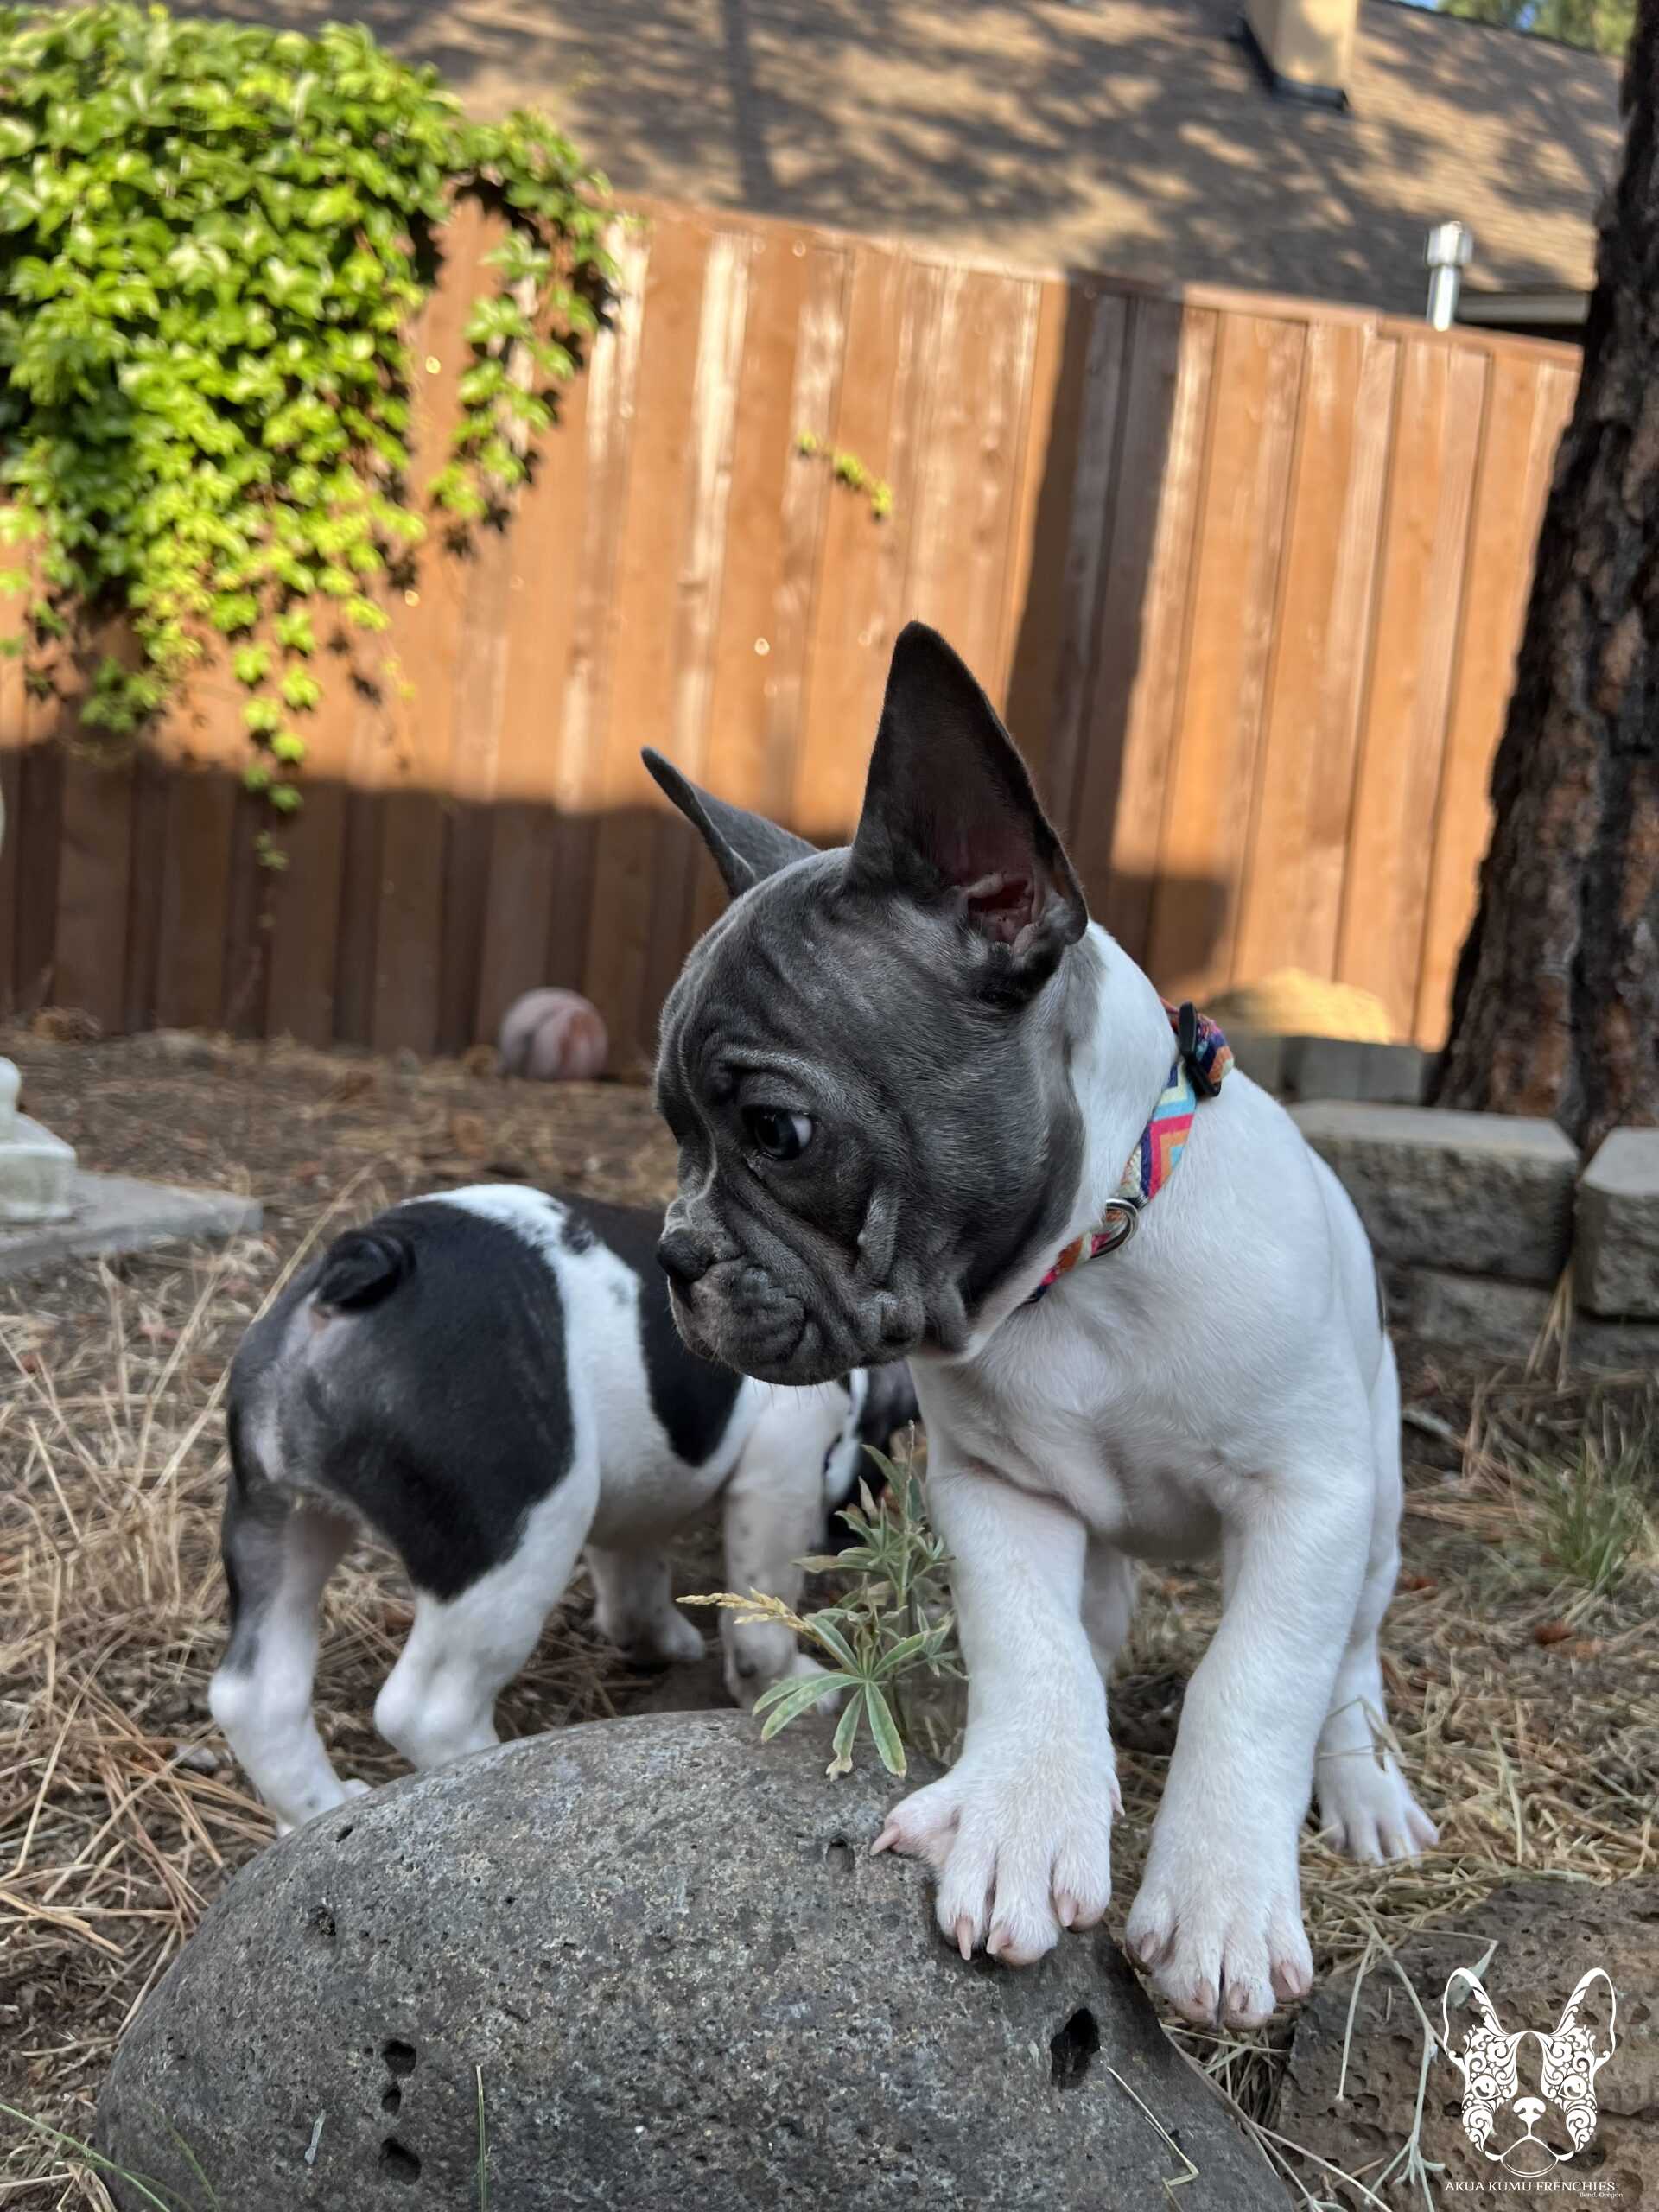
(1108, 1603)
(280, 1549)
(438, 1702)
(1364, 1806)
(634, 1608)
(773, 1509)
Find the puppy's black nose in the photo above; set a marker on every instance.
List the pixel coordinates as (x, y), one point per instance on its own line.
(682, 1259)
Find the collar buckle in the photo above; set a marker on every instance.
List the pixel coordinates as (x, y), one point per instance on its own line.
(1113, 1237)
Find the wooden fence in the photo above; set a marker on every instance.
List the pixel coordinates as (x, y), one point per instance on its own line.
(1247, 573)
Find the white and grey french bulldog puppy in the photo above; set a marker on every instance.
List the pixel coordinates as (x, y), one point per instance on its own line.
(904, 1077)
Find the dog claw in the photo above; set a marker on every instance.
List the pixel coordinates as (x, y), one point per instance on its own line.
(965, 1936)
(885, 1841)
(1066, 1910)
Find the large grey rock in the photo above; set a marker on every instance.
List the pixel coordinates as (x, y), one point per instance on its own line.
(1504, 1320)
(1547, 1934)
(1616, 1256)
(1485, 1194)
(686, 1983)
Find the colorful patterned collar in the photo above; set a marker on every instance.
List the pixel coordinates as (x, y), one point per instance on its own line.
(1203, 1057)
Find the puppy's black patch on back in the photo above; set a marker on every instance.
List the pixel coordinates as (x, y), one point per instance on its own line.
(444, 1415)
(691, 1397)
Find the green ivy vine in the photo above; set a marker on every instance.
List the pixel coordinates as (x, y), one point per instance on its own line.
(214, 240)
(847, 468)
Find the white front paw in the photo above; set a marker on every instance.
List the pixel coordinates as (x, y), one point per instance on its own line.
(1022, 1848)
(1218, 1926)
(1367, 1811)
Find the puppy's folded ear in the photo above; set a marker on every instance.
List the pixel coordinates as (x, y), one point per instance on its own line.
(949, 816)
(746, 847)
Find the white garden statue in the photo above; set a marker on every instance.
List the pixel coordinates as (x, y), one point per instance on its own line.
(36, 1168)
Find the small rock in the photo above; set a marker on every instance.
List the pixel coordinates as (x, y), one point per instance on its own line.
(1480, 1193)
(1505, 1321)
(1616, 1257)
(685, 1982)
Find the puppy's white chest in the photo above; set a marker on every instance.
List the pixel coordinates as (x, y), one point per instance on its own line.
(1070, 1419)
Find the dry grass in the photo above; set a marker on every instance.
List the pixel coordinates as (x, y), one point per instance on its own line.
(1526, 1701)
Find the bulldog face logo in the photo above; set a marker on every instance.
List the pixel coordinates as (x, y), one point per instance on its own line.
(1523, 2093)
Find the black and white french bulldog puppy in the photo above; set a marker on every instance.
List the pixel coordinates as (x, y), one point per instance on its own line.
(904, 1078)
(491, 1383)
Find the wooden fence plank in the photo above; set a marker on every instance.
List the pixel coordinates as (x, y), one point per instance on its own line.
(13, 735)
(703, 575)
(1148, 473)
(1234, 596)
(93, 881)
(653, 547)
(1045, 637)
(791, 359)
(306, 897)
(613, 379)
(859, 605)
(1339, 708)
(419, 712)
(1288, 908)
(1052, 740)
(1117, 819)
(1425, 537)
(526, 824)
(960, 548)
(1525, 416)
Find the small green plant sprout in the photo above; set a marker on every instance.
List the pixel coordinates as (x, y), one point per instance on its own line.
(890, 1637)
(215, 239)
(847, 468)
(1593, 1521)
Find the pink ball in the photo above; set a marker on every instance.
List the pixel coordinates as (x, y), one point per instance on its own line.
(553, 1036)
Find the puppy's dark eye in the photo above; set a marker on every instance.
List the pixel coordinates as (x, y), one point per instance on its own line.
(778, 1133)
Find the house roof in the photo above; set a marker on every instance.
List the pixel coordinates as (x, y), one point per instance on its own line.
(1132, 136)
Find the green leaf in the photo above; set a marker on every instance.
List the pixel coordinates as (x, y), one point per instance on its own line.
(301, 690)
(889, 1750)
(846, 1733)
(251, 665)
(799, 1697)
(825, 1629)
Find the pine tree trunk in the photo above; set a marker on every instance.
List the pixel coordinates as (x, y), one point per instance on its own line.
(1555, 1010)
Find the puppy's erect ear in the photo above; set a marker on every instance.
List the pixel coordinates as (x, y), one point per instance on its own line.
(746, 847)
(949, 815)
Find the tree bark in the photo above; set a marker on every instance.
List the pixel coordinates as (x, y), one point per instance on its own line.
(1555, 1009)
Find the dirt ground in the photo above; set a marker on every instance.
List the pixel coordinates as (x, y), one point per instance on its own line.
(1526, 1701)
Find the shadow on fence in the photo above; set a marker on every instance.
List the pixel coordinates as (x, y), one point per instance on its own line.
(404, 920)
